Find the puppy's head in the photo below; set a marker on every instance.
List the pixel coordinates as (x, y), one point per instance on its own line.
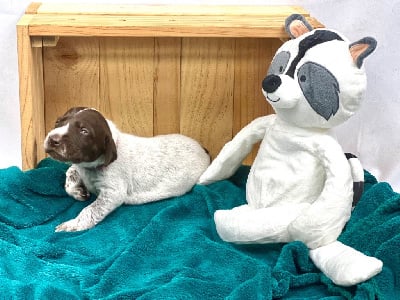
(81, 136)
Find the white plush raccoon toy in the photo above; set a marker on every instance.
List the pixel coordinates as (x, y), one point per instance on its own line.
(300, 186)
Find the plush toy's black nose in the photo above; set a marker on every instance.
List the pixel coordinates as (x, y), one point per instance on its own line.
(271, 83)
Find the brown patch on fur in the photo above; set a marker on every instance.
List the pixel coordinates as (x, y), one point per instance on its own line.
(88, 137)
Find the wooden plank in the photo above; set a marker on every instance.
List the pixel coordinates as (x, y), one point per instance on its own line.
(252, 58)
(46, 41)
(169, 10)
(50, 41)
(71, 71)
(167, 85)
(126, 83)
(33, 8)
(207, 91)
(159, 26)
(31, 97)
(36, 41)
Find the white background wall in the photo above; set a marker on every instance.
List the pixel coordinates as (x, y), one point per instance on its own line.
(373, 134)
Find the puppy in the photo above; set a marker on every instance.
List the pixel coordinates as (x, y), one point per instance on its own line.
(120, 168)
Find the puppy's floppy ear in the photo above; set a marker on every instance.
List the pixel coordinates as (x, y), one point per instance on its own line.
(296, 25)
(110, 153)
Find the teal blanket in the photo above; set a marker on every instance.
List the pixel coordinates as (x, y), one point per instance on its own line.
(170, 250)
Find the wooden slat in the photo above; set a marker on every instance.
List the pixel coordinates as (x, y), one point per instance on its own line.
(207, 91)
(71, 71)
(167, 82)
(169, 10)
(126, 82)
(33, 8)
(31, 96)
(252, 59)
(159, 26)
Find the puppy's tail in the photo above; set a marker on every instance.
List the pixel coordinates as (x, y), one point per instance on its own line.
(208, 153)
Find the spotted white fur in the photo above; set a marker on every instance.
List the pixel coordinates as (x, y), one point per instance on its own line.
(145, 170)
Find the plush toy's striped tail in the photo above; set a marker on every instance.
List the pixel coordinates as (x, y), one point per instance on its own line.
(357, 173)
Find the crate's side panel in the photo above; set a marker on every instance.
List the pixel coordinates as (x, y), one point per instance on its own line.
(207, 91)
(252, 59)
(71, 71)
(31, 97)
(126, 83)
(167, 76)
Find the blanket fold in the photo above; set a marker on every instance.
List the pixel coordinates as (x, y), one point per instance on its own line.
(170, 249)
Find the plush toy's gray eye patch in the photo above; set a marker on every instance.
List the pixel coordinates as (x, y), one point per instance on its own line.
(320, 88)
(279, 63)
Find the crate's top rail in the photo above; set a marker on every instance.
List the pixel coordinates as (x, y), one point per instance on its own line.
(54, 19)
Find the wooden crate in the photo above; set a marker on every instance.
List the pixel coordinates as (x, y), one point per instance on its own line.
(196, 70)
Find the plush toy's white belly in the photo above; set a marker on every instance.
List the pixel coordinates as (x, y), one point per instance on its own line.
(285, 171)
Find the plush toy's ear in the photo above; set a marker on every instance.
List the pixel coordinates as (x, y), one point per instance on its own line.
(361, 49)
(296, 25)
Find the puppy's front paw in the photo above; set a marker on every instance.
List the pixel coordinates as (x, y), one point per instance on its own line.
(74, 225)
(74, 185)
(79, 193)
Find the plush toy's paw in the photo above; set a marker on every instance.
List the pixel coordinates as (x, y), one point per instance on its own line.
(225, 226)
(76, 224)
(344, 265)
(230, 224)
(245, 224)
(211, 174)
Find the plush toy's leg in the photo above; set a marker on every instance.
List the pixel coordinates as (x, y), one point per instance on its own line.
(344, 265)
(244, 224)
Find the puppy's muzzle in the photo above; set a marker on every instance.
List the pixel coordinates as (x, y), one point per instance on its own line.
(52, 143)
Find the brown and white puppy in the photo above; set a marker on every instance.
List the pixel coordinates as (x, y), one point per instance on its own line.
(120, 168)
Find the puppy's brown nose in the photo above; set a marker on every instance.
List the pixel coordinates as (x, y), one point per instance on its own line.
(54, 141)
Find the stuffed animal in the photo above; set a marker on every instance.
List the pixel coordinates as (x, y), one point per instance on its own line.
(300, 186)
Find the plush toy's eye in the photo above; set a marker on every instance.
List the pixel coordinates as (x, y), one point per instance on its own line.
(279, 63)
(303, 78)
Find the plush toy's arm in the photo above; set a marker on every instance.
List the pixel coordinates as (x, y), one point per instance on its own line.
(324, 220)
(235, 151)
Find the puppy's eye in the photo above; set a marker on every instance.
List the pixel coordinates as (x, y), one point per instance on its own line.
(303, 78)
(84, 131)
(58, 123)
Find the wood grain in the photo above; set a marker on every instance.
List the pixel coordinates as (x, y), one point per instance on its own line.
(31, 96)
(167, 84)
(33, 8)
(168, 10)
(252, 59)
(126, 83)
(71, 71)
(207, 91)
(160, 26)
